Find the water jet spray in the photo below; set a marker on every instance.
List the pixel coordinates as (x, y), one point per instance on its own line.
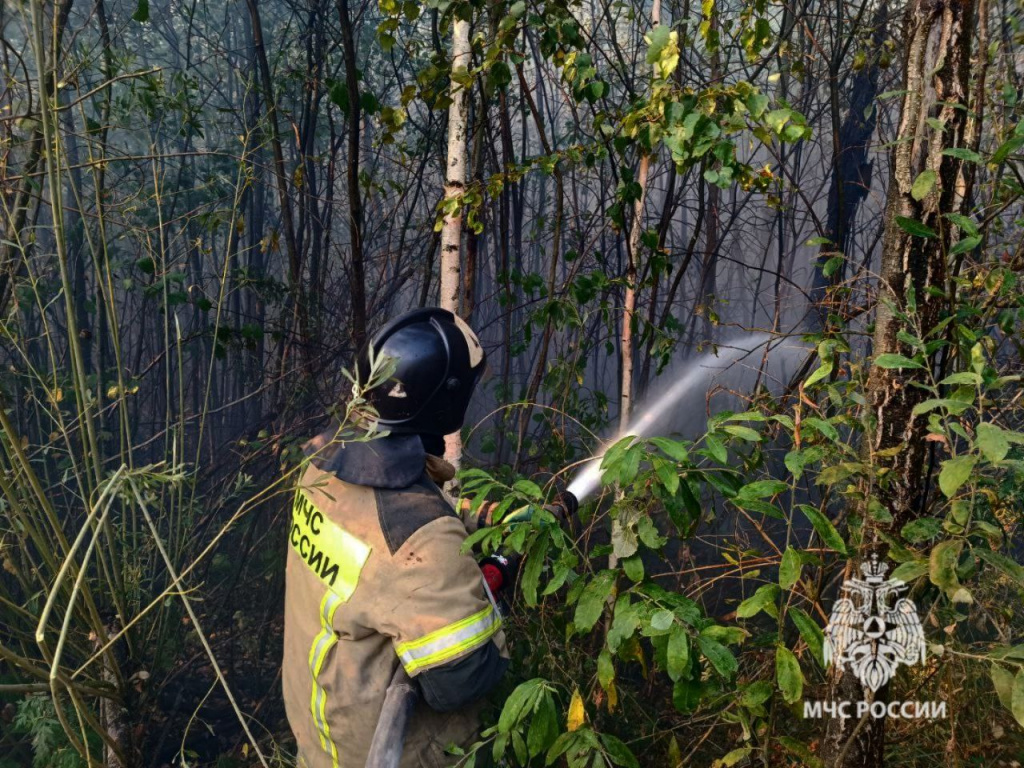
(653, 418)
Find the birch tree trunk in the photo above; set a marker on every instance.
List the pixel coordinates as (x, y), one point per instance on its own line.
(629, 305)
(938, 81)
(455, 182)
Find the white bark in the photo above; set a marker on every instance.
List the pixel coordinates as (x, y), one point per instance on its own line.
(629, 307)
(455, 182)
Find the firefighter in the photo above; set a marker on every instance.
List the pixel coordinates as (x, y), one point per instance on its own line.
(375, 573)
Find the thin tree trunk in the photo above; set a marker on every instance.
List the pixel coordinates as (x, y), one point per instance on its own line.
(295, 305)
(537, 378)
(709, 267)
(355, 200)
(455, 183)
(851, 166)
(629, 303)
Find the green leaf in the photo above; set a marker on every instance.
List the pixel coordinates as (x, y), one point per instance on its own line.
(823, 370)
(674, 449)
(757, 103)
(619, 753)
(625, 622)
(743, 433)
(624, 541)
(662, 620)
(955, 472)
(828, 533)
(877, 512)
(915, 227)
(500, 75)
(756, 505)
(592, 601)
(1002, 681)
(519, 702)
(832, 265)
(721, 658)
(922, 529)
(141, 12)
(678, 653)
(757, 602)
(594, 91)
(811, 633)
(1017, 697)
(648, 532)
(795, 462)
(966, 245)
(777, 118)
(368, 101)
(992, 442)
(762, 489)
(529, 489)
(962, 153)
(923, 184)
(533, 567)
(686, 695)
(789, 568)
(942, 565)
(657, 39)
(756, 694)
(1006, 149)
(896, 361)
(732, 758)
(966, 223)
(788, 675)
(955, 407)
(1010, 567)
(826, 355)
(962, 377)
(717, 449)
(543, 726)
(634, 568)
(910, 571)
(823, 427)
(689, 500)
(668, 475)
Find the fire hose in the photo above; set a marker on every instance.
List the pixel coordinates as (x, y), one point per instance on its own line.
(400, 698)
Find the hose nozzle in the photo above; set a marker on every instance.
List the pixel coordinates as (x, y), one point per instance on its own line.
(565, 505)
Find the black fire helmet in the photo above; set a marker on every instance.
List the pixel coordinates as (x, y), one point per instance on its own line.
(439, 362)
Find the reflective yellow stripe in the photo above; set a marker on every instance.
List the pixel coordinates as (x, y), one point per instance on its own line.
(450, 641)
(336, 557)
(322, 644)
(327, 549)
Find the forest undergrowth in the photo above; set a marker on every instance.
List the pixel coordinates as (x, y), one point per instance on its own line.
(205, 208)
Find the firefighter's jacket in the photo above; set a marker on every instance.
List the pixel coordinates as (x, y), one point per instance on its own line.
(376, 577)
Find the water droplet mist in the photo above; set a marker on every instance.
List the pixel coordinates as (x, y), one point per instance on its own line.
(658, 417)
